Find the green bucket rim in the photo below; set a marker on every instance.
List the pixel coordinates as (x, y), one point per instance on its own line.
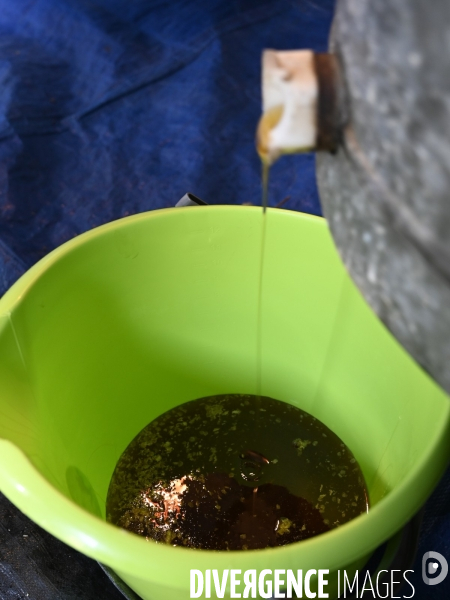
(130, 554)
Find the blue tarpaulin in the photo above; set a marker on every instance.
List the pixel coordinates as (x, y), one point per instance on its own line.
(109, 108)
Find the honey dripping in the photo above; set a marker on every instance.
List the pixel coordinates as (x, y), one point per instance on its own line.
(209, 474)
(267, 122)
(237, 471)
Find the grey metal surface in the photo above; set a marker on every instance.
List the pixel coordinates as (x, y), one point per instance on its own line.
(386, 193)
(190, 200)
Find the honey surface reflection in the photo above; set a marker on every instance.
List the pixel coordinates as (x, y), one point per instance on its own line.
(211, 474)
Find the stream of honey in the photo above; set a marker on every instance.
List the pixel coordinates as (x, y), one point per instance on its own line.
(237, 471)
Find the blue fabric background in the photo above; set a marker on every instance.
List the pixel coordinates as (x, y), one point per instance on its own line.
(109, 108)
(113, 107)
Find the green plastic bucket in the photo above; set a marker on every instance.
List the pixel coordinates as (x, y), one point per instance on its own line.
(130, 319)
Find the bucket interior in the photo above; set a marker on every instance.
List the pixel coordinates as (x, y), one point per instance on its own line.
(162, 309)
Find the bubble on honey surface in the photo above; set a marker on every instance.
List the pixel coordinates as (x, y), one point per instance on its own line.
(252, 465)
(212, 473)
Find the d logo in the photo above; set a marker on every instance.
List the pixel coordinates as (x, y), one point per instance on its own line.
(431, 562)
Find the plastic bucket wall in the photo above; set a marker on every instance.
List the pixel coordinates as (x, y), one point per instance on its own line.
(135, 317)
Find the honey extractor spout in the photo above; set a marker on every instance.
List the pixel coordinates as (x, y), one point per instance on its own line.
(302, 103)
